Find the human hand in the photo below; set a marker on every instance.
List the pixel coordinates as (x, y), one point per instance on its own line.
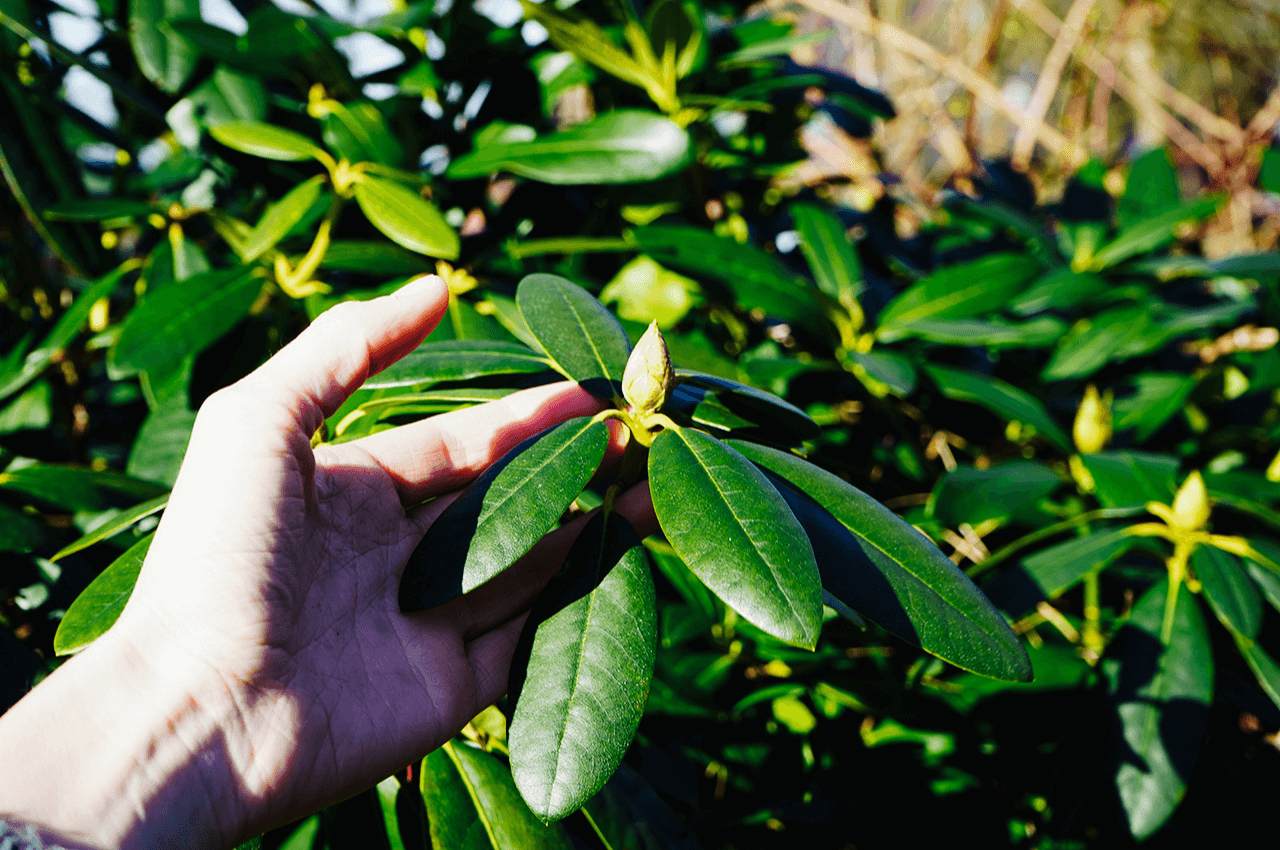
(262, 667)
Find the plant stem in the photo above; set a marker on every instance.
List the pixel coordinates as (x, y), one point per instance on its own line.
(1049, 531)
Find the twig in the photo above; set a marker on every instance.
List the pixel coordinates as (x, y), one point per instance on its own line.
(1047, 84)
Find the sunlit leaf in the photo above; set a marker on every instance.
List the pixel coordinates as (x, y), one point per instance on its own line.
(406, 218)
(582, 338)
(98, 607)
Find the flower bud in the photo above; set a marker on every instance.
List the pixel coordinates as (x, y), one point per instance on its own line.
(1092, 430)
(648, 378)
(1191, 504)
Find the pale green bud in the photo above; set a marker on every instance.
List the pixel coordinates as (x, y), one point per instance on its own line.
(648, 379)
(1092, 429)
(1191, 503)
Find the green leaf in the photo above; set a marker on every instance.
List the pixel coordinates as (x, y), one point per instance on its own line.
(623, 146)
(99, 606)
(955, 292)
(1057, 568)
(1151, 233)
(473, 804)
(1263, 666)
(1249, 265)
(1092, 343)
(736, 533)
(877, 564)
(164, 57)
(753, 404)
(1228, 589)
(968, 494)
(1268, 582)
(1131, 478)
(73, 488)
(1155, 399)
(500, 515)
(1161, 694)
(18, 532)
(114, 525)
(373, 258)
(645, 292)
(406, 218)
(755, 278)
(893, 370)
(277, 221)
(588, 670)
(304, 837)
(97, 209)
(828, 251)
(1151, 188)
(30, 411)
(1003, 399)
(265, 140)
(583, 339)
(1060, 289)
(162, 443)
(182, 319)
(995, 333)
(459, 360)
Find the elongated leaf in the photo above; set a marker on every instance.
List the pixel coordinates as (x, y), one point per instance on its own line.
(1057, 568)
(1263, 666)
(754, 404)
(73, 488)
(406, 218)
(99, 606)
(1249, 265)
(1059, 289)
(875, 563)
(500, 515)
(164, 57)
(1155, 399)
(1151, 233)
(1151, 187)
(828, 251)
(582, 338)
(1161, 694)
(587, 673)
(162, 443)
(1131, 478)
(18, 532)
(997, 333)
(459, 360)
(473, 804)
(1268, 582)
(180, 320)
(755, 278)
(893, 370)
(968, 494)
(281, 217)
(373, 258)
(264, 140)
(1002, 399)
(97, 209)
(955, 292)
(115, 525)
(623, 146)
(1092, 343)
(1228, 589)
(736, 533)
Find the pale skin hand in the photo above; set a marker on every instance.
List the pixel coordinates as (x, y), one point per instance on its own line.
(262, 667)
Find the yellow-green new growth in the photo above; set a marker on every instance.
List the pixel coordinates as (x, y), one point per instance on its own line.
(649, 378)
(1092, 428)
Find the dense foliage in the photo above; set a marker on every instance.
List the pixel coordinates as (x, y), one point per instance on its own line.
(1066, 397)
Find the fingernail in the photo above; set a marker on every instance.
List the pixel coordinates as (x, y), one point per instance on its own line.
(429, 285)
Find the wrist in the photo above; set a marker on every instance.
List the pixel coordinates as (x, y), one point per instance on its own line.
(119, 749)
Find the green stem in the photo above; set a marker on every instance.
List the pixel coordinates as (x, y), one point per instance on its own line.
(1092, 632)
(1177, 565)
(567, 245)
(594, 826)
(1049, 531)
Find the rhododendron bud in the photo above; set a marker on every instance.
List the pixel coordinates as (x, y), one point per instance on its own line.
(1092, 430)
(648, 379)
(1191, 504)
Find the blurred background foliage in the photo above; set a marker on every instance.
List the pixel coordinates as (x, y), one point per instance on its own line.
(1014, 258)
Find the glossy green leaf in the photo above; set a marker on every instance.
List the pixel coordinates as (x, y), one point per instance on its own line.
(374, 258)
(972, 495)
(1268, 582)
(97, 209)
(736, 533)
(1060, 289)
(631, 816)
(1161, 694)
(1092, 343)
(1002, 399)
(406, 218)
(18, 532)
(646, 292)
(1154, 399)
(161, 443)
(1249, 265)
(500, 515)
(264, 140)
(1264, 667)
(828, 251)
(582, 338)
(114, 525)
(753, 404)
(587, 672)
(1151, 187)
(73, 488)
(992, 333)
(1228, 589)
(99, 606)
(164, 57)
(623, 146)
(31, 410)
(304, 837)
(956, 292)
(678, 22)
(473, 804)
(1057, 568)
(181, 320)
(1131, 478)
(880, 566)
(1150, 233)
(755, 278)
(459, 360)
(277, 221)
(893, 370)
